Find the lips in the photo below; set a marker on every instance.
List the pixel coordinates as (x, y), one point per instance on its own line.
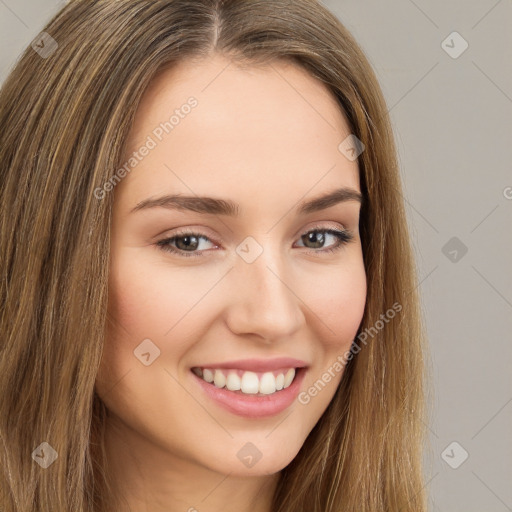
(252, 405)
(256, 365)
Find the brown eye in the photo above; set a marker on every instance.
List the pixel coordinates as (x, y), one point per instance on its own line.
(187, 242)
(317, 238)
(183, 243)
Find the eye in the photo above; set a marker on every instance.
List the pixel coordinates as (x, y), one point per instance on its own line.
(185, 242)
(317, 236)
(189, 242)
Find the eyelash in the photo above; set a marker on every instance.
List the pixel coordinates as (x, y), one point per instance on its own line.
(343, 237)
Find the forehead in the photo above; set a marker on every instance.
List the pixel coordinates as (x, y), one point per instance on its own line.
(265, 129)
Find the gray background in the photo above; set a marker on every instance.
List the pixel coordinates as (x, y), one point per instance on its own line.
(452, 121)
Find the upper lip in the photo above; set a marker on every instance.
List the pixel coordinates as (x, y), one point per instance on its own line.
(258, 365)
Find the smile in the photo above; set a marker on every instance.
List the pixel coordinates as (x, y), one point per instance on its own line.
(248, 400)
(247, 382)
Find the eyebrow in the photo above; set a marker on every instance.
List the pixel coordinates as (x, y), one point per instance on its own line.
(210, 205)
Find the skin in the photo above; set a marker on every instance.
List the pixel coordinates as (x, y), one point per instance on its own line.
(267, 138)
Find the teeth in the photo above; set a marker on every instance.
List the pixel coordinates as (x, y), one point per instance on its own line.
(233, 382)
(267, 384)
(279, 382)
(248, 382)
(219, 380)
(289, 377)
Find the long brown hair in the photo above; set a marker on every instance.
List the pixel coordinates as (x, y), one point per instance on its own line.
(64, 118)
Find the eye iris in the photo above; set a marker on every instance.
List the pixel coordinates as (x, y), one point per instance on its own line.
(315, 237)
(187, 245)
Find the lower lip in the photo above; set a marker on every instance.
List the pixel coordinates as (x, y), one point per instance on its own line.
(252, 406)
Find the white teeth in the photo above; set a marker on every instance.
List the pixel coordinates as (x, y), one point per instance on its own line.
(290, 374)
(207, 375)
(219, 379)
(233, 382)
(249, 383)
(267, 383)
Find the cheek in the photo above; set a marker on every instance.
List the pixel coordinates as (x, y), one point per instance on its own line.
(339, 305)
(147, 299)
(337, 311)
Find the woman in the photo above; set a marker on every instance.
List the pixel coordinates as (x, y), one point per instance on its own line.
(208, 293)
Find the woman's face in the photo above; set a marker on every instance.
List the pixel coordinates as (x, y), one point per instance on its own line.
(195, 286)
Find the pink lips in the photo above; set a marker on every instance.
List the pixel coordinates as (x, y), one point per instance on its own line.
(258, 365)
(252, 406)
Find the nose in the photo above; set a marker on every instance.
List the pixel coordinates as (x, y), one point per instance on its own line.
(263, 301)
